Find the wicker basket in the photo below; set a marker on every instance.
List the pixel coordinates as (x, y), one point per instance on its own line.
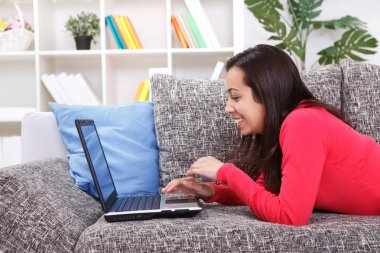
(17, 39)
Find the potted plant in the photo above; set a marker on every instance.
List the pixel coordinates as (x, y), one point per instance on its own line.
(293, 32)
(84, 27)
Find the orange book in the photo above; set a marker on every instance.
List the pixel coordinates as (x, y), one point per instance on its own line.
(132, 31)
(179, 32)
(124, 32)
(139, 89)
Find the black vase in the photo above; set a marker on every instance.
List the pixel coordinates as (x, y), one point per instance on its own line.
(83, 42)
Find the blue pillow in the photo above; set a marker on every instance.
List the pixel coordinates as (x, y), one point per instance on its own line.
(128, 138)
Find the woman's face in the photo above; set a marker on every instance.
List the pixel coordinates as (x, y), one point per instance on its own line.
(248, 114)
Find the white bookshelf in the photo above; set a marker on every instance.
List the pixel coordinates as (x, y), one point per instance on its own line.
(114, 74)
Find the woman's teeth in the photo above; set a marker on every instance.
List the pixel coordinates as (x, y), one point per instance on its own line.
(237, 121)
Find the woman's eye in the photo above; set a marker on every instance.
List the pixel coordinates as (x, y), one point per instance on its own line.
(235, 98)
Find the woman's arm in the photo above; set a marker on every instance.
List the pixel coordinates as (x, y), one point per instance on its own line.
(303, 142)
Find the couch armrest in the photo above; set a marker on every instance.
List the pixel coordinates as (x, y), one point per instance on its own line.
(41, 210)
(40, 137)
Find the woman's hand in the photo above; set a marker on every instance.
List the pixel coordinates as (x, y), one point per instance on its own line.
(190, 186)
(205, 166)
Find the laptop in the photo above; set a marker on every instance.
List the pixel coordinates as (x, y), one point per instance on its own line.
(123, 208)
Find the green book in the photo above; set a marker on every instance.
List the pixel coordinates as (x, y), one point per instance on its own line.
(195, 30)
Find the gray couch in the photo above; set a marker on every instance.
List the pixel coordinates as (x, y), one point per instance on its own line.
(42, 211)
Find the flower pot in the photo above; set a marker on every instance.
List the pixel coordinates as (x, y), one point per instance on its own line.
(83, 42)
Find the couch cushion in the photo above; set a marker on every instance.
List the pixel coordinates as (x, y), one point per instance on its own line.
(128, 138)
(325, 83)
(233, 229)
(41, 210)
(190, 123)
(361, 96)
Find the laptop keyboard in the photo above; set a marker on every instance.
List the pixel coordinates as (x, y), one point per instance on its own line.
(137, 203)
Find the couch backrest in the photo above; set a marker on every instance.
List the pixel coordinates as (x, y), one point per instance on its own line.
(325, 83)
(361, 96)
(352, 86)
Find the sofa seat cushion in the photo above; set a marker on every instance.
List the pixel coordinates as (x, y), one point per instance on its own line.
(233, 229)
(361, 96)
(41, 210)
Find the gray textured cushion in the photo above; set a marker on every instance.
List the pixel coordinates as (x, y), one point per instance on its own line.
(41, 210)
(325, 83)
(190, 123)
(361, 96)
(233, 229)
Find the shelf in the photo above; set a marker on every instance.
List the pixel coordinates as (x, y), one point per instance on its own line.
(202, 50)
(136, 52)
(14, 114)
(113, 74)
(70, 53)
(21, 55)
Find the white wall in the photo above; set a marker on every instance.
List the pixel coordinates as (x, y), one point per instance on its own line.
(366, 10)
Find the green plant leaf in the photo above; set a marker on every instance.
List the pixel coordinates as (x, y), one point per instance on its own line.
(267, 13)
(293, 44)
(303, 12)
(83, 24)
(344, 22)
(353, 41)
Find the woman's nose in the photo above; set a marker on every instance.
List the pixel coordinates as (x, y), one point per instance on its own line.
(229, 108)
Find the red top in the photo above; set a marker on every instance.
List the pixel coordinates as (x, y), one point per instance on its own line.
(325, 165)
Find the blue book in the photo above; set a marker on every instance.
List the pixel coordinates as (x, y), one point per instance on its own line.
(115, 32)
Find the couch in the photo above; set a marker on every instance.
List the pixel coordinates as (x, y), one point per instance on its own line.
(41, 210)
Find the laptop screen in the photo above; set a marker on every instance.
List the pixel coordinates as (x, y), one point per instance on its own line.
(98, 160)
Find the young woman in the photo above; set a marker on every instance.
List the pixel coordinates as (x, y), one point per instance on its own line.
(297, 153)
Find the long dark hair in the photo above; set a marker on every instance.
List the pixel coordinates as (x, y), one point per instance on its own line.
(276, 83)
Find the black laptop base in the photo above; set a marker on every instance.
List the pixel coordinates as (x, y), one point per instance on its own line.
(160, 214)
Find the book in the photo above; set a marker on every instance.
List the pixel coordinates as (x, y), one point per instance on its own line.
(132, 31)
(124, 32)
(88, 93)
(68, 89)
(194, 28)
(185, 30)
(144, 95)
(52, 88)
(146, 91)
(197, 11)
(179, 32)
(115, 32)
(138, 92)
(75, 89)
(189, 30)
(61, 90)
(218, 69)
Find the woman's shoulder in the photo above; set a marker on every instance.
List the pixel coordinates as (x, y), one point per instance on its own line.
(306, 115)
(305, 124)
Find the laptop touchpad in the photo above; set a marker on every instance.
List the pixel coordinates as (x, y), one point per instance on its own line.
(180, 203)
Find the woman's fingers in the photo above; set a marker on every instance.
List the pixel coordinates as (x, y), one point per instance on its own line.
(190, 172)
(189, 186)
(172, 185)
(175, 185)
